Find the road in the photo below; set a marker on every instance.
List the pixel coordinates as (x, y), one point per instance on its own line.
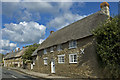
(8, 74)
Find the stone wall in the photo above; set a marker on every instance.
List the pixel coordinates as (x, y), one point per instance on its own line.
(87, 65)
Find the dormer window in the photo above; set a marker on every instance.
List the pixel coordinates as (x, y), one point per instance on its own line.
(59, 47)
(45, 51)
(51, 49)
(72, 44)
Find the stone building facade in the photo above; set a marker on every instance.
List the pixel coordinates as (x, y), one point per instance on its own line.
(14, 59)
(71, 51)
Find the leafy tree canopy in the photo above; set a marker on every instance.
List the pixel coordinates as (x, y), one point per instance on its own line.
(108, 45)
(29, 51)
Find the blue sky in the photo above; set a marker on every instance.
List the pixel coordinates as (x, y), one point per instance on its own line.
(25, 23)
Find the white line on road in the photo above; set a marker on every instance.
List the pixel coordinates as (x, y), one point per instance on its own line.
(14, 76)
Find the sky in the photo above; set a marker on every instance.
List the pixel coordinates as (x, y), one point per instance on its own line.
(26, 23)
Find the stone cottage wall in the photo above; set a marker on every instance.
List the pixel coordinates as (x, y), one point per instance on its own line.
(86, 66)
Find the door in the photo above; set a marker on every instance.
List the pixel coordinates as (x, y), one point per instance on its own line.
(31, 66)
(53, 66)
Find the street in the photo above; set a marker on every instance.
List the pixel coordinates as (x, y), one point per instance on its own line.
(8, 74)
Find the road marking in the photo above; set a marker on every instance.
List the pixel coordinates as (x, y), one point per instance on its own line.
(14, 76)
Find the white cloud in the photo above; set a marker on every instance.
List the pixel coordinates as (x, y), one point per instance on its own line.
(64, 20)
(24, 32)
(7, 46)
(40, 41)
(27, 11)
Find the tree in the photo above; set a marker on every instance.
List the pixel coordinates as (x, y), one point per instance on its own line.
(108, 46)
(29, 51)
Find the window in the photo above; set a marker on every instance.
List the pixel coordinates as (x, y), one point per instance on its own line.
(45, 51)
(72, 44)
(45, 60)
(59, 47)
(51, 49)
(72, 58)
(61, 58)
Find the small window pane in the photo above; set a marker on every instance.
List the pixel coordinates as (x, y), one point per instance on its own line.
(45, 61)
(59, 47)
(61, 59)
(45, 51)
(51, 49)
(73, 44)
(73, 58)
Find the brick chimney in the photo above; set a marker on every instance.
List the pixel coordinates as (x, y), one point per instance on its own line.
(105, 8)
(23, 47)
(18, 49)
(51, 32)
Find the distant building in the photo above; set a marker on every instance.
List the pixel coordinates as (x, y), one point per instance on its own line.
(14, 59)
(70, 51)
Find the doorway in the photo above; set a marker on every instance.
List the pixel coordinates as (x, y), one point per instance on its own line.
(52, 66)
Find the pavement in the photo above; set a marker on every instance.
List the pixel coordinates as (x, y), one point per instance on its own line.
(36, 74)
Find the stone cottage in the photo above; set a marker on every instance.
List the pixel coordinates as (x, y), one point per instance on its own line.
(70, 51)
(14, 59)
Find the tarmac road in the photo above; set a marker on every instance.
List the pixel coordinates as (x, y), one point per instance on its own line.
(8, 74)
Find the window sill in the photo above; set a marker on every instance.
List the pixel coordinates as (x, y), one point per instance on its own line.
(61, 62)
(73, 62)
(72, 47)
(59, 50)
(51, 51)
(45, 64)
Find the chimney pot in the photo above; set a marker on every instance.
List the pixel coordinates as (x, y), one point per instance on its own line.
(18, 49)
(51, 32)
(105, 8)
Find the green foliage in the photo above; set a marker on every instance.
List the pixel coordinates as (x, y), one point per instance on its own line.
(108, 46)
(29, 52)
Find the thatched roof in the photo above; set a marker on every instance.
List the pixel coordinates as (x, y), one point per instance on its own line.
(19, 54)
(77, 30)
(16, 54)
(11, 55)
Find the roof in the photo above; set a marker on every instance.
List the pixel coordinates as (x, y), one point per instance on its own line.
(16, 54)
(11, 55)
(21, 52)
(35, 52)
(77, 30)
(5, 55)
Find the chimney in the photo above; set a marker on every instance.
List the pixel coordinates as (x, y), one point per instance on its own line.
(23, 47)
(105, 8)
(51, 32)
(12, 51)
(18, 49)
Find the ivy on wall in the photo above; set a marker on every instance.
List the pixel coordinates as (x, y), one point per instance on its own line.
(108, 46)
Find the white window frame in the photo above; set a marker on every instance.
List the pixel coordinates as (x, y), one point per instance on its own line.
(51, 49)
(73, 58)
(45, 60)
(59, 61)
(59, 47)
(45, 51)
(71, 44)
